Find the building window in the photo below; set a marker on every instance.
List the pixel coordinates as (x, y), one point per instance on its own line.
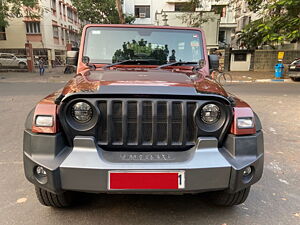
(67, 35)
(219, 9)
(184, 7)
(142, 11)
(70, 14)
(53, 4)
(62, 32)
(33, 28)
(222, 36)
(2, 33)
(240, 57)
(55, 31)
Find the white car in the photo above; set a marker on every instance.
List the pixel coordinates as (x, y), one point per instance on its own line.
(10, 60)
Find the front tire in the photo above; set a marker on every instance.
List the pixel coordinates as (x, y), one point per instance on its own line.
(223, 198)
(22, 65)
(295, 78)
(224, 79)
(47, 198)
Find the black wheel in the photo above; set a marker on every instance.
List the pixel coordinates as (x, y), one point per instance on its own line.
(22, 65)
(222, 198)
(54, 200)
(224, 79)
(295, 78)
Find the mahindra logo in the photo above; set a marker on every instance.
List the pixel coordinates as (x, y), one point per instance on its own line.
(146, 157)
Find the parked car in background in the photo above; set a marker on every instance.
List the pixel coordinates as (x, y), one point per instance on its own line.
(294, 70)
(10, 60)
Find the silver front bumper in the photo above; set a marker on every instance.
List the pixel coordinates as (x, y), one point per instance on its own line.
(86, 166)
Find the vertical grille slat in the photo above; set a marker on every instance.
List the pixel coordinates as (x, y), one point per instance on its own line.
(191, 127)
(183, 123)
(109, 122)
(154, 123)
(176, 122)
(132, 123)
(169, 123)
(139, 122)
(147, 122)
(162, 123)
(124, 122)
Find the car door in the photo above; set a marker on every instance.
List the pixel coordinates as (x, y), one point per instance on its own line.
(11, 60)
(3, 60)
(7, 59)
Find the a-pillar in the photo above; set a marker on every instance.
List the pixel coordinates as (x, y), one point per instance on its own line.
(29, 56)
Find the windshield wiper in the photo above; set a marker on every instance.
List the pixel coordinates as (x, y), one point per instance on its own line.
(131, 61)
(175, 63)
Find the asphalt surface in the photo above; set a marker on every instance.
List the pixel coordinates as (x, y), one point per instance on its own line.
(274, 200)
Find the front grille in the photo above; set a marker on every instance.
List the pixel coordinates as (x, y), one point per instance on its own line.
(141, 124)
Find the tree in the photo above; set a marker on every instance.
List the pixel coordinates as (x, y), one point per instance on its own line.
(279, 23)
(120, 13)
(194, 18)
(101, 11)
(18, 8)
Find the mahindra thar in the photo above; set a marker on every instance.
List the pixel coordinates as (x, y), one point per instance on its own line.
(142, 116)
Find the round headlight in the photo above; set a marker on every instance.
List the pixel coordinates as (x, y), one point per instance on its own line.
(82, 112)
(210, 113)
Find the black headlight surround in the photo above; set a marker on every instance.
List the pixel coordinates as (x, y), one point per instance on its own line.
(78, 125)
(213, 127)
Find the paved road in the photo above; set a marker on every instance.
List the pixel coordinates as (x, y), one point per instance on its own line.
(274, 200)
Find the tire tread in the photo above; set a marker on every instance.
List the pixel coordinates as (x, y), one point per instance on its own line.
(229, 199)
(54, 200)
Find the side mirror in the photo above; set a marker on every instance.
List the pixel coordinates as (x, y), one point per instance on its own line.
(213, 62)
(72, 58)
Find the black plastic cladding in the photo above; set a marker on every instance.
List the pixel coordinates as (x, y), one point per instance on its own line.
(94, 99)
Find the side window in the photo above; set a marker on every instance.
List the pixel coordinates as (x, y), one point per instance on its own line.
(142, 11)
(6, 56)
(240, 57)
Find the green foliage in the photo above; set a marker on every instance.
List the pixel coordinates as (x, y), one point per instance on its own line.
(194, 18)
(18, 8)
(141, 50)
(99, 11)
(279, 22)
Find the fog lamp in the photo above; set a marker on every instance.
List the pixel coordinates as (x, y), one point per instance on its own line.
(245, 123)
(41, 175)
(40, 171)
(82, 112)
(247, 171)
(44, 121)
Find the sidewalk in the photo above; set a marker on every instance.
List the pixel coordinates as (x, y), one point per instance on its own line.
(56, 75)
(251, 76)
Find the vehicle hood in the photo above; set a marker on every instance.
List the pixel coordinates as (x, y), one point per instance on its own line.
(140, 77)
(147, 81)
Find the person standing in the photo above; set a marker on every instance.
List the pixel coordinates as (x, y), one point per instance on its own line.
(41, 66)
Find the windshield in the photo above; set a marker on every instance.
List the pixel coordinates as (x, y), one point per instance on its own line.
(158, 46)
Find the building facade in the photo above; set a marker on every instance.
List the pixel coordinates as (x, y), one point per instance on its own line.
(57, 28)
(219, 29)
